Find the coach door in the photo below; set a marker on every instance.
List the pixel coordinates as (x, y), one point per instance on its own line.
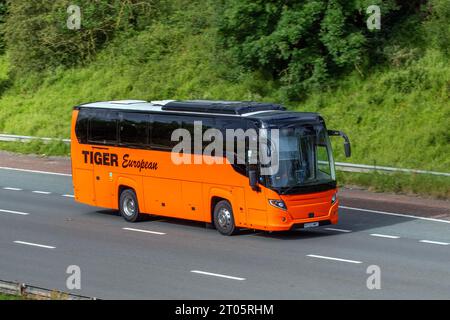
(103, 132)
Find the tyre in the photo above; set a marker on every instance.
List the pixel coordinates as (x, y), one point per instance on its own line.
(224, 219)
(129, 207)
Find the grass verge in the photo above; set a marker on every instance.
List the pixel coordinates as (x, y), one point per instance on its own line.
(37, 147)
(5, 297)
(402, 183)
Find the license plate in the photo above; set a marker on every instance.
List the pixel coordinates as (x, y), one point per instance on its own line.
(311, 225)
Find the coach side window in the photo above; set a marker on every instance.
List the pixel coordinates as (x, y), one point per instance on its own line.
(103, 128)
(206, 123)
(161, 131)
(235, 157)
(81, 127)
(133, 129)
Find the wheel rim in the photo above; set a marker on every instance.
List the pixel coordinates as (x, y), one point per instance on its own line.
(129, 206)
(224, 218)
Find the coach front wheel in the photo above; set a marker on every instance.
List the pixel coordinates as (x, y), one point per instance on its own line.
(223, 218)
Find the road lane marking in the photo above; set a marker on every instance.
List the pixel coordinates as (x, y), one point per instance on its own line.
(41, 192)
(145, 231)
(12, 189)
(396, 214)
(14, 212)
(217, 275)
(384, 236)
(34, 244)
(338, 230)
(68, 195)
(435, 242)
(36, 171)
(334, 259)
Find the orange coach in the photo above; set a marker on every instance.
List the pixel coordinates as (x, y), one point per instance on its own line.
(121, 159)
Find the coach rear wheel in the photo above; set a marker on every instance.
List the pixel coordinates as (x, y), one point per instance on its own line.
(224, 219)
(129, 207)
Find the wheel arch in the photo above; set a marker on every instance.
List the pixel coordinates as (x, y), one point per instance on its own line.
(126, 183)
(217, 195)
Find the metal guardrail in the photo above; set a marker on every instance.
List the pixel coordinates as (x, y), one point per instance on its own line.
(342, 166)
(14, 138)
(28, 291)
(351, 167)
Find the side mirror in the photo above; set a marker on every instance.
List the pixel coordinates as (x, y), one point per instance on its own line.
(253, 179)
(347, 145)
(347, 149)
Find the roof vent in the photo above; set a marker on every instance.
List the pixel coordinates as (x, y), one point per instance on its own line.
(221, 107)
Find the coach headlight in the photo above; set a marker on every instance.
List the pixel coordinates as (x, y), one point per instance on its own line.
(278, 204)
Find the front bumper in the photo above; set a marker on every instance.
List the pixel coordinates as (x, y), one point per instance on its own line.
(279, 220)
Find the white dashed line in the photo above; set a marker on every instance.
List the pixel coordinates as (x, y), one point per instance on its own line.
(338, 230)
(12, 189)
(218, 275)
(34, 245)
(68, 195)
(395, 214)
(144, 231)
(41, 192)
(384, 236)
(14, 212)
(435, 242)
(334, 259)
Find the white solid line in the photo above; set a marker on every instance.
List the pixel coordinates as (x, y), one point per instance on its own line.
(14, 212)
(12, 189)
(338, 230)
(36, 171)
(435, 242)
(41, 192)
(331, 258)
(34, 245)
(384, 236)
(217, 275)
(68, 195)
(396, 214)
(145, 231)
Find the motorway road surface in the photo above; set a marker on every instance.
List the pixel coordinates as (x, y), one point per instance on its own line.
(43, 231)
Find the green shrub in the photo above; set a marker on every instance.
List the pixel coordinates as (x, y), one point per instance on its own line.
(307, 44)
(3, 10)
(438, 24)
(38, 38)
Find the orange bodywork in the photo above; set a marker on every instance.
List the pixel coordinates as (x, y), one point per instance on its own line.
(187, 191)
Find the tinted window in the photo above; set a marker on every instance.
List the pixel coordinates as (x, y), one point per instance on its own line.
(103, 127)
(161, 131)
(133, 129)
(81, 127)
(236, 158)
(206, 123)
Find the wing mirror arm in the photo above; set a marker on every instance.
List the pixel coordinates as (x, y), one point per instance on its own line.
(347, 144)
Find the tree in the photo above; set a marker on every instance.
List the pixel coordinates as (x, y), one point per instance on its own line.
(38, 38)
(301, 43)
(438, 24)
(2, 20)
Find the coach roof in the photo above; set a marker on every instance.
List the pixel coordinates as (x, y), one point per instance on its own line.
(194, 106)
(266, 112)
